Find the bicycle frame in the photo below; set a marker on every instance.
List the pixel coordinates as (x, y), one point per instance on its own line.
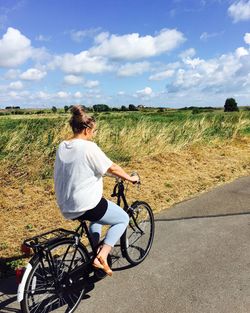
(83, 228)
(119, 193)
(42, 250)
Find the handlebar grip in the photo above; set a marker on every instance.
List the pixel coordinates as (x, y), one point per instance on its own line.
(136, 174)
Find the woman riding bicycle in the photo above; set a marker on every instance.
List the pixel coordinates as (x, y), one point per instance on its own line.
(79, 167)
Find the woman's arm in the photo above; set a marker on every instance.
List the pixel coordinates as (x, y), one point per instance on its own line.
(118, 171)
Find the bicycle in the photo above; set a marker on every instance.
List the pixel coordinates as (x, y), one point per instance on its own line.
(56, 277)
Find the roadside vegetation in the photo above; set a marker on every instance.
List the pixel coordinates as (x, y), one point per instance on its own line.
(178, 153)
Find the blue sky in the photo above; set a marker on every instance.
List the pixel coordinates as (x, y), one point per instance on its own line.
(160, 53)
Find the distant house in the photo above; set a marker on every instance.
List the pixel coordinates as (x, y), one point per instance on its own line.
(140, 106)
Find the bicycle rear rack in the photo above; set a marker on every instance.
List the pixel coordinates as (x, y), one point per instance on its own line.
(45, 239)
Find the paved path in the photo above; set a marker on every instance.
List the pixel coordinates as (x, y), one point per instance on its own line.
(199, 263)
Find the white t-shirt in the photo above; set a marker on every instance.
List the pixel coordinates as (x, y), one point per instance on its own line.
(79, 167)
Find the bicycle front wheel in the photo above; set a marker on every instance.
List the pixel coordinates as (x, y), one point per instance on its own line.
(57, 281)
(137, 240)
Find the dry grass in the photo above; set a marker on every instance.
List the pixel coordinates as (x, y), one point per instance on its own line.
(29, 208)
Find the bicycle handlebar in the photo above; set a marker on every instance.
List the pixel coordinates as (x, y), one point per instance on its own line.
(136, 174)
(120, 179)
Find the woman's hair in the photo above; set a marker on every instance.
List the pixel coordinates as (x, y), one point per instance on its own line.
(80, 120)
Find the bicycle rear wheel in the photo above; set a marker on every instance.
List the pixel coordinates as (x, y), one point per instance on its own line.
(137, 240)
(57, 283)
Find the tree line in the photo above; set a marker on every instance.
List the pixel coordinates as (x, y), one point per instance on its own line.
(100, 108)
(229, 106)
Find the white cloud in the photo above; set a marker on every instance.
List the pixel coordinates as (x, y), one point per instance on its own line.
(11, 74)
(77, 80)
(147, 91)
(42, 95)
(187, 53)
(130, 46)
(91, 83)
(20, 95)
(15, 48)
(78, 35)
(62, 94)
(241, 51)
(193, 62)
(80, 63)
(133, 46)
(240, 10)
(43, 38)
(33, 74)
(101, 37)
(16, 85)
(162, 75)
(73, 80)
(205, 36)
(40, 55)
(121, 93)
(247, 38)
(78, 95)
(132, 69)
(14, 95)
(223, 74)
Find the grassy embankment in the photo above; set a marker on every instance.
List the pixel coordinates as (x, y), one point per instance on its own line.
(178, 155)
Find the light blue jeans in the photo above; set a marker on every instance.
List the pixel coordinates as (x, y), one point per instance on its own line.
(118, 220)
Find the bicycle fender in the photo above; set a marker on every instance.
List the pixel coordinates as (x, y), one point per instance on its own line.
(20, 290)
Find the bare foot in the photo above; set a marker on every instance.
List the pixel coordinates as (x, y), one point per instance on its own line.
(97, 263)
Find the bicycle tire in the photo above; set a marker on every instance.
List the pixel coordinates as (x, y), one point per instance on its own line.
(137, 239)
(64, 290)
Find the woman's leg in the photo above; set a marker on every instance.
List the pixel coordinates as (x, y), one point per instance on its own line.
(118, 219)
(95, 230)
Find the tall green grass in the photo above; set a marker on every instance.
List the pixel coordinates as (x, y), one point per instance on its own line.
(27, 146)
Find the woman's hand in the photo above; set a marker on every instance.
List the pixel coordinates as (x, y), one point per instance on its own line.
(134, 179)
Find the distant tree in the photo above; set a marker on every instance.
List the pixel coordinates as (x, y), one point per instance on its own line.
(160, 110)
(101, 108)
(230, 105)
(196, 110)
(140, 106)
(123, 108)
(54, 109)
(132, 107)
(66, 108)
(85, 108)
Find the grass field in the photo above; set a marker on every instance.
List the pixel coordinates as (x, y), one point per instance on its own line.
(177, 153)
